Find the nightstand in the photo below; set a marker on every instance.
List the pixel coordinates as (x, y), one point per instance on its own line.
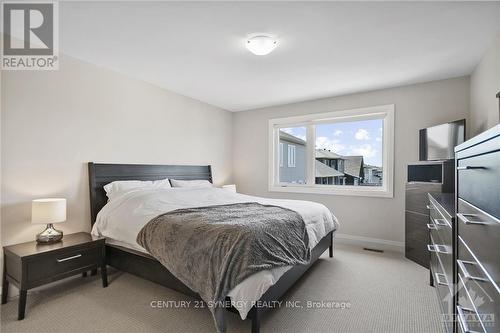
(29, 265)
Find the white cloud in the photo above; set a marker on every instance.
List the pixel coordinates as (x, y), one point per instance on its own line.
(365, 150)
(378, 139)
(323, 142)
(337, 133)
(362, 134)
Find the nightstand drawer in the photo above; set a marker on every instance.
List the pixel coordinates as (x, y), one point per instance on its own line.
(51, 265)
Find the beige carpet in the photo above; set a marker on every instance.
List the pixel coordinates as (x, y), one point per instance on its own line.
(386, 292)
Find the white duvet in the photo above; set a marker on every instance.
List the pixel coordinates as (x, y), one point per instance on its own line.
(121, 219)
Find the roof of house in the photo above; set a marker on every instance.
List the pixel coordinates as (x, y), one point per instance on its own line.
(372, 167)
(290, 138)
(323, 170)
(323, 153)
(353, 165)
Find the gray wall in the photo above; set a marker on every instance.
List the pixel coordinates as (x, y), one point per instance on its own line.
(417, 106)
(485, 84)
(54, 122)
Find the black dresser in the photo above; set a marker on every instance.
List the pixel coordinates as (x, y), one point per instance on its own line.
(477, 301)
(442, 262)
(423, 178)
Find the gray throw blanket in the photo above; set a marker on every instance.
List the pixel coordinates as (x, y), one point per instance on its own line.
(213, 249)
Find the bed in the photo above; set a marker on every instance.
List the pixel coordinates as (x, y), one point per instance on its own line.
(123, 253)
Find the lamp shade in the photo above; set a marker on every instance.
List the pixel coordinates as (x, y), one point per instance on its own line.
(51, 210)
(261, 45)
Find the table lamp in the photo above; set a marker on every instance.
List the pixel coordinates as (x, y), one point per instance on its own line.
(48, 211)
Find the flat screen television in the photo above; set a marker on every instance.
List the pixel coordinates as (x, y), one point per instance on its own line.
(438, 142)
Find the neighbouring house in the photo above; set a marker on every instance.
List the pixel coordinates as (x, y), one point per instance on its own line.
(292, 159)
(373, 175)
(351, 167)
(330, 168)
(332, 161)
(326, 175)
(353, 170)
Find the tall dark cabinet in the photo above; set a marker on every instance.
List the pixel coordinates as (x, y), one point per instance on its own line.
(477, 254)
(442, 267)
(423, 178)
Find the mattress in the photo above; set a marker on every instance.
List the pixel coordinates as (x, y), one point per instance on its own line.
(121, 219)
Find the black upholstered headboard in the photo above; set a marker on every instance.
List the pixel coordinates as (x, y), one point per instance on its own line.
(101, 174)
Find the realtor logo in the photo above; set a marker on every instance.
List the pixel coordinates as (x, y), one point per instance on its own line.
(31, 34)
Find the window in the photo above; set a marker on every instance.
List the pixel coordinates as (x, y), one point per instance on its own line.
(291, 156)
(346, 152)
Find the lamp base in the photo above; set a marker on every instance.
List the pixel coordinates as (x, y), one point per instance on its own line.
(49, 235)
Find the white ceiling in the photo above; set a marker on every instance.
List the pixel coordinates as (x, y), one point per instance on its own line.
(326, 48)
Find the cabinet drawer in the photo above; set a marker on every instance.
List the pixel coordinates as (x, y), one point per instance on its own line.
(475, 296)
(416, 198)
(416, 226)
(475, 288)
(439, 211)
(479, 229)
(417, 238)
(50, 266)
(444, 254)
(444, 292)
(478, 178)
(440, 226)
(467, 319)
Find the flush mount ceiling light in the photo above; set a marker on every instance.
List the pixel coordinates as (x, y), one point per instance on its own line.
(261, 44)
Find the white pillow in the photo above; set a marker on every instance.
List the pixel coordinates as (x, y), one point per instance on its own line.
(162, 183)
(119, 187)
(191, 183)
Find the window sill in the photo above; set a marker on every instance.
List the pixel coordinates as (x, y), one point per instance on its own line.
(359, 191)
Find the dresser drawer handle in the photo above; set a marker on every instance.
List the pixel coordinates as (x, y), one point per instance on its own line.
(467, 276)
(462, 321)
(470, 167)
(69, 258)
(439, 281)
(437, 248)
(431, 226)
(464, 219)
(440, 222)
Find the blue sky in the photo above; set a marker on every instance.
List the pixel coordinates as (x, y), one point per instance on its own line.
(349, 138)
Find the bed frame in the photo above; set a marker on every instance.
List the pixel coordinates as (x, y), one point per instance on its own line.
(147, 267)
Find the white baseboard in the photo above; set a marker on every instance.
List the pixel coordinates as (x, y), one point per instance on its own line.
(372, 243)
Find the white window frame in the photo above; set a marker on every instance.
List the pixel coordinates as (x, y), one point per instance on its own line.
(281, 154)
(385, 112)
(292, 156)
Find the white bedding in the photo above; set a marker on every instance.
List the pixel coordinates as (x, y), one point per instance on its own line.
(121, 219)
